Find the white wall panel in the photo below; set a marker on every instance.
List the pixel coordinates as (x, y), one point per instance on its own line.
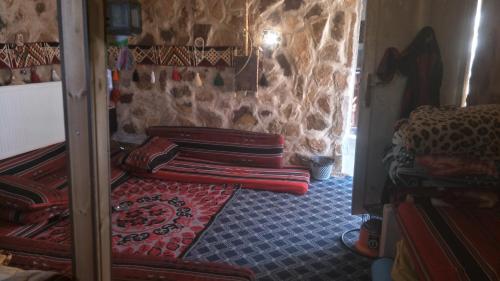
(31, 117)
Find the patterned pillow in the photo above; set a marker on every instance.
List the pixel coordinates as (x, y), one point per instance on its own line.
(24, 194)
(151, 155)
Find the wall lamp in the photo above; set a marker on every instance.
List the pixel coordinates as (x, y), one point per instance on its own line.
(123, 17)
(271, 39)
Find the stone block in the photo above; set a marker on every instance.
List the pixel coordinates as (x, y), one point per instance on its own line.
(316, 10)
(180, 92)
(285, 65)
(201, 31)
(293, 4)
(127, 98)
(316, 145)
(324, 104)
(323, 74)
(209, 119)
(316, 122)
(338, 26)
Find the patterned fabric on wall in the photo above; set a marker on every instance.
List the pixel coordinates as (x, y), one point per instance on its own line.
(29, 54)
(181, 56)
(218, 56)
(47, 53)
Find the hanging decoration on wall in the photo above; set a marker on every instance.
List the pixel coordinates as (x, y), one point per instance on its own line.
(115, 93)
(116, 76)
(163, 79)
(48, 53)
(54, 76)
(197, 80)
(176, 76)
(153, 77)
(263, 81)
(199, 55)
(181, 56)
(28, 55)
(125, 59)
(34, 77)
(135, 76)
(218, 80)
(173, 56)
(217, 57)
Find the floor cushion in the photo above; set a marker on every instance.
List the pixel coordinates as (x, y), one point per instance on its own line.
(226, 145)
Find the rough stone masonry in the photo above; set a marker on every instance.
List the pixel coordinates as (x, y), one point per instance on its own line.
(309, 75)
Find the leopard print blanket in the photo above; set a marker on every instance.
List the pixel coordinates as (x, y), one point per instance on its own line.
(472, 132)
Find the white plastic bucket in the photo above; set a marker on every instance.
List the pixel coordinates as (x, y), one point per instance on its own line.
(321, 167)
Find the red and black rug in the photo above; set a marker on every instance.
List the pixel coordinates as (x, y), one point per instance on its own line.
(155, 217)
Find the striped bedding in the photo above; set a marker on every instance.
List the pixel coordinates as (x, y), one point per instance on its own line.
(33, 161)
(186, 169)
(56, 257)
(46, 166)
(226, 145)
(450, 243)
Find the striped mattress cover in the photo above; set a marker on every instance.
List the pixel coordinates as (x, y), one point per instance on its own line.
(450, 243)
(187, 169)
(47, 166)
(226, 145)
(57, 257)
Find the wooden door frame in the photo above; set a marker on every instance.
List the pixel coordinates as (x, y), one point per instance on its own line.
(362, 145)
(83, 47)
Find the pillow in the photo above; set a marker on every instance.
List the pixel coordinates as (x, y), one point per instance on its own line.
(32, 216)
(24, 194)
(468, 132)
(151, 155)
(226, 145)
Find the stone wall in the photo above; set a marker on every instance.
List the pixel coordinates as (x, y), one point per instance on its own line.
(36, 20)
(309, 75)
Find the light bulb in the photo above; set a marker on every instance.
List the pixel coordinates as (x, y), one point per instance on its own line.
(271, 38)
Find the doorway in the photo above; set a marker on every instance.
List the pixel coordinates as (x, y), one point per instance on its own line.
(395, 24)
(351, 128)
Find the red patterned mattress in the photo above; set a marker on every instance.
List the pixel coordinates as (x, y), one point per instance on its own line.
(56, 257)
(450, 243)
(153, 222)
(185, 169)
(151, 217)
(226, 145)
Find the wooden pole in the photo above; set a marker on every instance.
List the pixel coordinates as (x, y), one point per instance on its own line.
(82, 35)
(247, 31)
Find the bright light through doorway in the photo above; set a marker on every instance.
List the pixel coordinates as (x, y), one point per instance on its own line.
(475, 36)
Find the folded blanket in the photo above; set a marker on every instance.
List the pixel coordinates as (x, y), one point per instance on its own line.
(468, 132)
(442, 166)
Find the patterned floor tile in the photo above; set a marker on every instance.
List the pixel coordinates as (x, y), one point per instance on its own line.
(287, 237)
